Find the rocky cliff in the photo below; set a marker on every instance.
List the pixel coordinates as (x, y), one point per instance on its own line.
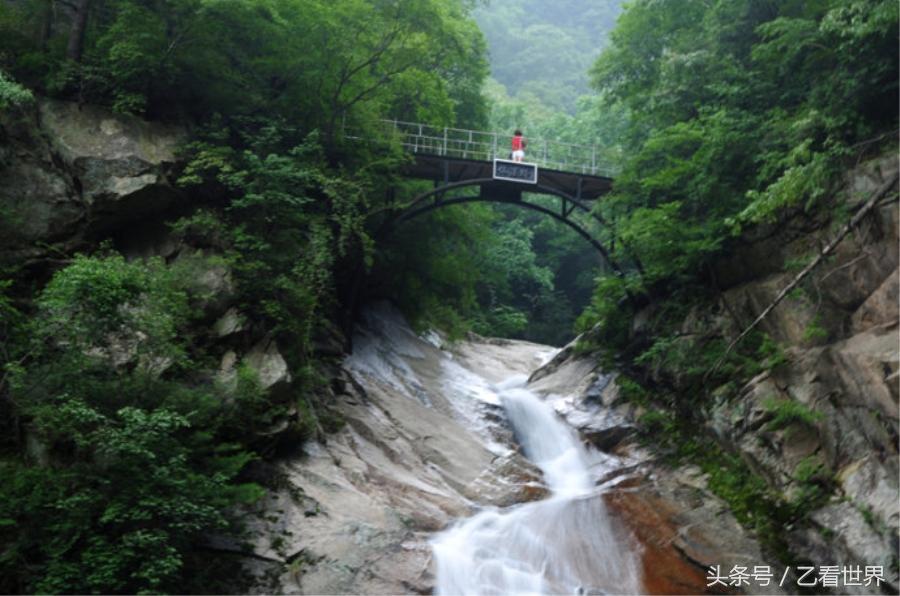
(839, 333)
(824, 418)
(354, 514)
(71, 174)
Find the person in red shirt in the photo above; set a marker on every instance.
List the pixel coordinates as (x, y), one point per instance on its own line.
(518, 146)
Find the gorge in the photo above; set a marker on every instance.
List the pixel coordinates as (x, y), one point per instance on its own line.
(268, 324)
(496, 466)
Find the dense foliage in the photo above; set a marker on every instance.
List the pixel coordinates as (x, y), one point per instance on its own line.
(11, 93)
(741, 116)
(739, 113)
(540, 51)
(120, 449)
(496, 272)
(540, 55)
(123, 450)
(134, 466)
(312, 61)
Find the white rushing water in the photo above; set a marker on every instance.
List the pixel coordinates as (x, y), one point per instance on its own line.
(565, 544)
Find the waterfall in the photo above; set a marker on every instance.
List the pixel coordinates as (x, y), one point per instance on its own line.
(566, 544)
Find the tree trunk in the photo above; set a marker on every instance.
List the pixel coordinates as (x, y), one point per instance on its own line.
(79, 24)
(46, 25)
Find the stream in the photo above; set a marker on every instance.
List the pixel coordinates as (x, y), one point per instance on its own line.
(564, 544)
(453, 475)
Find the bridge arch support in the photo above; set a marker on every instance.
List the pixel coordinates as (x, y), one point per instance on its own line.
(492, 191)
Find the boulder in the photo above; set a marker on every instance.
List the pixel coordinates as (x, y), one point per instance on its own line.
(121, 163)
(126, 349)
(91, 133)
(269, 364)
(607, 439)
(880, 307)
(37, 203)
(864, 363)
(230, 323)
(71, 170)
(38, 198)
(226, 366)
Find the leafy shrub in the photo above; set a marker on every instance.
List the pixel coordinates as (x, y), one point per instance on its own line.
(502, 321)
(814, 486)
(607, 319)
(11, 93)
(787, 412)
(814, 330)
(289, 220)
(95, 303)
(770, 353)
(141, 473)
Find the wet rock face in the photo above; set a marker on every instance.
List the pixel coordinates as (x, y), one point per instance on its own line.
(680, 526)
(72, 170)
(355, 513)
(836, 397)
(683, 531)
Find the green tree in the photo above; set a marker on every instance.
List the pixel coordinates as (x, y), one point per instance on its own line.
(130, 474)
(738, 112)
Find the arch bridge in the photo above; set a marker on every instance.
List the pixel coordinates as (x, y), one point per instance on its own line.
(455, 159)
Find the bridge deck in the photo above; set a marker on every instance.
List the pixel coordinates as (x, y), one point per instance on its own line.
(455, 169)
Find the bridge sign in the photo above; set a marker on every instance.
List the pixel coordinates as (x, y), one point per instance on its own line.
(515, 171)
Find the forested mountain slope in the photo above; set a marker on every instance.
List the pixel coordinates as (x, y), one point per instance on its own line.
(748, 123)
(183, 223)
(544, 50)
(186, 368)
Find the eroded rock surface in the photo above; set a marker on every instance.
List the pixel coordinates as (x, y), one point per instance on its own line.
(682, 528)
(356, 513)
(825, 420)
(68, 170)
(845, 375)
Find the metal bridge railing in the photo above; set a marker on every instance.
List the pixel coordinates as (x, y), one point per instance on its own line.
(487, 146)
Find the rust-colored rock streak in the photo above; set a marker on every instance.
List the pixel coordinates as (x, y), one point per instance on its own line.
(650, 518)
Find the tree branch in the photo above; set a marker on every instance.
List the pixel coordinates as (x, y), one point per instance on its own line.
(870, 204)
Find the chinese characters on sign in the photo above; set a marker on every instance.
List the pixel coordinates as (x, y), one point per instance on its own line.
(808, 576)
(515, 171)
